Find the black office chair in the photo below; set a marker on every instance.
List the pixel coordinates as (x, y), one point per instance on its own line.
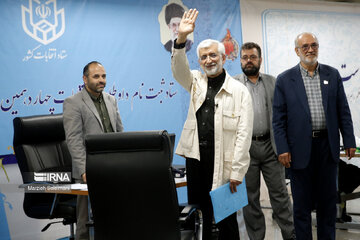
(348, 181)
(131, 188)
(39, 145)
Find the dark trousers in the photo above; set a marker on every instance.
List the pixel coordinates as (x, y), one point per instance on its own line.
(199, 176)
(314, 188)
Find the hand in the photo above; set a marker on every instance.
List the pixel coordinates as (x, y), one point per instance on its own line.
(350, 152)
(233, 184)
(187, 25)
(285, 159)
(83, 176)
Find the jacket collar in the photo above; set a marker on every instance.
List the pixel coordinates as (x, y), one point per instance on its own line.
(226, 86)
(89, 102)
(300, 88)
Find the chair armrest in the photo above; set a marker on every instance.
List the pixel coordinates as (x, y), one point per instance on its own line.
(90, 223)
(350, 196)
(188, 211)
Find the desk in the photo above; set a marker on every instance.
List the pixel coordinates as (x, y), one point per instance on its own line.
(180, 182)
(72, 191)
(344, 155)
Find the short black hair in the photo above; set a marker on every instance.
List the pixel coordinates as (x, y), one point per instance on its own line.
(251, 45)
(86, 68)
(173, 10)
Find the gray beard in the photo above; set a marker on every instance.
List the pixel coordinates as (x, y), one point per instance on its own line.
(215, 70)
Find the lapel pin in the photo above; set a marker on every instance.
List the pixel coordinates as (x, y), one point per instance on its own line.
(326, 82)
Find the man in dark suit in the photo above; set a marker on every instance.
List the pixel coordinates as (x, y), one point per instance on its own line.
(90, 111)
(309, 109)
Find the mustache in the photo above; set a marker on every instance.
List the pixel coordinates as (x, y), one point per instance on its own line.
(210, 64)
(250, 70)
(250, 65)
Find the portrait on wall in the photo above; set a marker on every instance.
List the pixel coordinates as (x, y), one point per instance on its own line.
(169, 20)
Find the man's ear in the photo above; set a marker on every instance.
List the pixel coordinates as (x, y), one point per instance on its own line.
(297, 51)
(85, 79)
(223, 58)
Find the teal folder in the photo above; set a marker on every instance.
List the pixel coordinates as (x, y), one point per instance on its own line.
(226, 203)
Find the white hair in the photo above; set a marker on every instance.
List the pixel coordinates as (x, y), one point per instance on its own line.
(301, 34)
(207, 43)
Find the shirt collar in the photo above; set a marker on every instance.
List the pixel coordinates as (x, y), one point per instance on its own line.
(306, 72)
(248, 80)
(218, 78)
(94, 98)
(216, 81)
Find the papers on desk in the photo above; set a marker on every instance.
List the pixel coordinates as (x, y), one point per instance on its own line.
(79, 186)
(226, 203)
(180, 180)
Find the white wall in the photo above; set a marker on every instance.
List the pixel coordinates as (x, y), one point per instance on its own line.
(275, 24)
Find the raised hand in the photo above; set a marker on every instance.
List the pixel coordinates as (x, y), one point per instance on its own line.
(187, 25)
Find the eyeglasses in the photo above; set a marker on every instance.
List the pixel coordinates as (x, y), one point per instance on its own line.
(212, 56)
(251, 57)
(306, 47)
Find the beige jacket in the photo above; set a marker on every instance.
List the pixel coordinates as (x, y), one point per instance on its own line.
(233, 121)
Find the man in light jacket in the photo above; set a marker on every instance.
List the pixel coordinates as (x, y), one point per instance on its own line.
(217, 133)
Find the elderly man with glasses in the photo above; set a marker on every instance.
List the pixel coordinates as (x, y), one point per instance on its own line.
(217, 133)
(310, 110)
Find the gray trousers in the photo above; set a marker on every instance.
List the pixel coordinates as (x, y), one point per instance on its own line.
(264, 159)
(82, 231)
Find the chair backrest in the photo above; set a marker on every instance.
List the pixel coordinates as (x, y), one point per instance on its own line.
(39, 145)
(131, 188)
(172, 144)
